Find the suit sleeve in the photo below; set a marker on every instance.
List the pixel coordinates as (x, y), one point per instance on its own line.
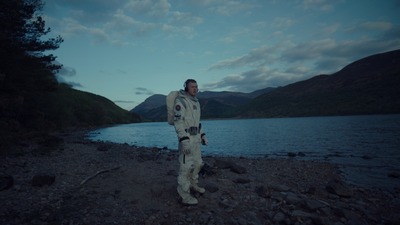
(201, 127)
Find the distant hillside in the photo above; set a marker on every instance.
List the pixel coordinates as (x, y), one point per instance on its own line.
(214, 104)
(61, 108)
(149, 104)
(367, 86)
(70, 107)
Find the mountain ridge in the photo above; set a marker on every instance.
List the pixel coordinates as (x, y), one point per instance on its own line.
(154, 107)
(365, 86)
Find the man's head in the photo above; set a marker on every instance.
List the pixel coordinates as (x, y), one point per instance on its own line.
(191, 87)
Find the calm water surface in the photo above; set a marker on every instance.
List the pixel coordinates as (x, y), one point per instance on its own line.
(366, 148)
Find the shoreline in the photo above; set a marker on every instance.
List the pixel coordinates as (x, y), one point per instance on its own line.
(108, 183)
(362, 169)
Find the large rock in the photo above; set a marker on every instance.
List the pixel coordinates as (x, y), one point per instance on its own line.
(40, 180)
(262, 191)
(223, 164)
(335, 186)
(6, 181)
(206, 170)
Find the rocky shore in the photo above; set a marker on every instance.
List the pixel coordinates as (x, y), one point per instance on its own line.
(67, 179)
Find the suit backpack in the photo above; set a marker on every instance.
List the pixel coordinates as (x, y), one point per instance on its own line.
(170, 100)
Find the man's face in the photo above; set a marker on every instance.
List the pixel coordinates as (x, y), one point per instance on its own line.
(192, 89)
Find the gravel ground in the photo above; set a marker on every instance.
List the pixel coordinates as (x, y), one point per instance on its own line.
(66, 179)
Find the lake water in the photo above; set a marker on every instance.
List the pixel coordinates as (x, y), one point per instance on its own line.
(366, 148)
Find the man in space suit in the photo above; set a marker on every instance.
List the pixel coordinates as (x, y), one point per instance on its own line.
(188, 128)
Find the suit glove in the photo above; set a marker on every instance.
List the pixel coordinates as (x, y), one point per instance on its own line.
(186, 146)
(204, 140)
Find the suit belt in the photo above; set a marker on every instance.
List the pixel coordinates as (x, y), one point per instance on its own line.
(193, 130)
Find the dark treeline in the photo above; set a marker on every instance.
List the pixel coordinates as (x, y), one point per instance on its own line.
(31, 99)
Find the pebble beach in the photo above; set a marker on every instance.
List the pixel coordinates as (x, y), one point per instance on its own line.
(79, 181)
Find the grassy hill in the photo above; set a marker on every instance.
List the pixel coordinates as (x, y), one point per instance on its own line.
(68, 107)
(24, 116)
(367, 86)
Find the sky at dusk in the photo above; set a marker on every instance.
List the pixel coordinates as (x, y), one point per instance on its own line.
(128, 50)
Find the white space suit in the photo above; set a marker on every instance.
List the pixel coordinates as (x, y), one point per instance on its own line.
(188, 129)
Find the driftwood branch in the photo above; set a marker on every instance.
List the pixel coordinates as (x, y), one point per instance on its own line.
(97, 173)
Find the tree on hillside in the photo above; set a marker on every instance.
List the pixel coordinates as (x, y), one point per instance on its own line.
(27, 71)
(24, 66)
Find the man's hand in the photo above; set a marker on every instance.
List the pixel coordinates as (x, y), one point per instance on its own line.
(186, 146)
(204, 140)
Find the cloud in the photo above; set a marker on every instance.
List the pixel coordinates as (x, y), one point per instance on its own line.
(186, 19)
(289, 62)
(257, 79)
(330, 55)
(75, 84)
(89, 13)
(175, 31)
(152, 8)
(308, 50)
(227, 40)
(392, 34)
(257, 56)
(143, 91)
(319, 50)
(89, 6)
(73, 28)
(61, 80)
(376, 25)
(370, 27)
(230, 8)
(225, 7)
(282, 22)
(320, 5)
(328, 30)
(124, 101)
(117, 21)
(67, 71)
(122, 25)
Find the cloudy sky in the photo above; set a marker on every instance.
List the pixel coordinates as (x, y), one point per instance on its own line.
(128, 50)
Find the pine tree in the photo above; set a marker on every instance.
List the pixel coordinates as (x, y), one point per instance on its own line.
(27, 71)
(24, 66)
